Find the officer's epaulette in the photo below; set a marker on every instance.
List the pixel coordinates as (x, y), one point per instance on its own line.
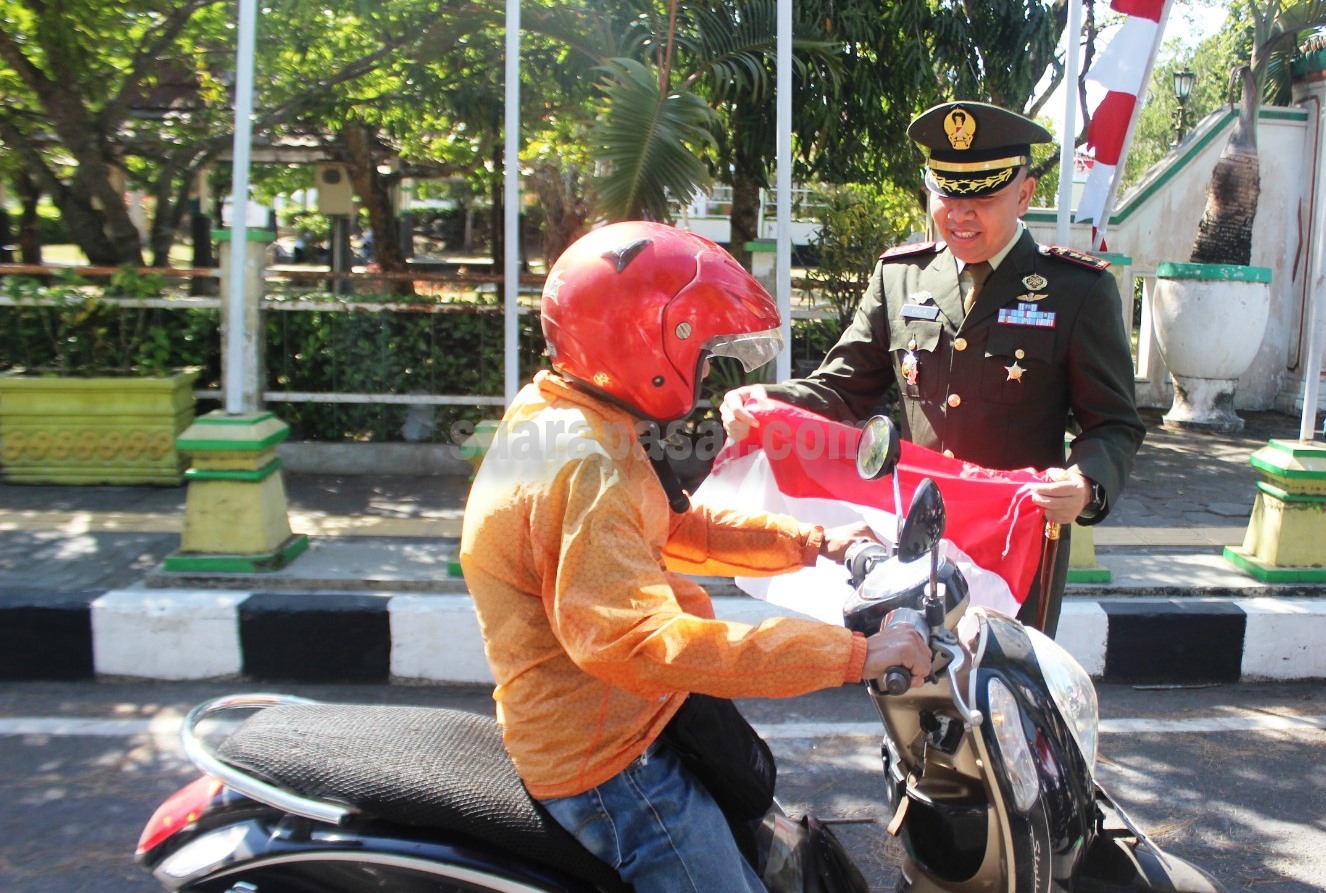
(910, 248)
(1073, 256)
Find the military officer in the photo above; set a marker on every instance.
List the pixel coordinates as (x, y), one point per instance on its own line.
(993, 340)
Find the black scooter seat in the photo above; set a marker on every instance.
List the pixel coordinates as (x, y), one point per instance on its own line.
(423, 767)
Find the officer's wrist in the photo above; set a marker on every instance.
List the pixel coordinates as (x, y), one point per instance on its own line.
(1097, 504)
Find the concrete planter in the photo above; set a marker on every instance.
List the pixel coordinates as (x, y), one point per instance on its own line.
(1209, 322)
(112, 430)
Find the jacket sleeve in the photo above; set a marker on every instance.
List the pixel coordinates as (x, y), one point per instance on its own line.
(610, 605)
(857, 371)
(1102, 394)
(725, 543)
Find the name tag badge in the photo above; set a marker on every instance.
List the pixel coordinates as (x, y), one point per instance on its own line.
(920, 311)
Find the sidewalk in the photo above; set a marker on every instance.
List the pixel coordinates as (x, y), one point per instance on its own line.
(377, 597)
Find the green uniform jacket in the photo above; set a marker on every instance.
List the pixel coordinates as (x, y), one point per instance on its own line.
(996, 387)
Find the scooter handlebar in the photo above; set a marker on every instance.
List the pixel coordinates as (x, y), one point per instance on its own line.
(897, 680)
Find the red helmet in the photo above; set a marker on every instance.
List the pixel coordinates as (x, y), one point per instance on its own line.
(633, 309)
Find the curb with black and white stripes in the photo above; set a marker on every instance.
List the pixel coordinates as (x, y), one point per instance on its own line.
(347, 637)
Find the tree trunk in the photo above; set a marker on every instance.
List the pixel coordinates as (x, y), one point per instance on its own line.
(374, 191)
(29, 224)
(104, 230)
(1224, 235)
(745, 214)
(565, 208)
(6, 252)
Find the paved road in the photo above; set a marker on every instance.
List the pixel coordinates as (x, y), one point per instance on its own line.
(1229, 778)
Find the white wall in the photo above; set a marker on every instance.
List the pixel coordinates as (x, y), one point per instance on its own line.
(1157, 219)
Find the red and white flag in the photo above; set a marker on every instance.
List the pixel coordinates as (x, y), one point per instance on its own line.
(1123, 69)
(802, 464)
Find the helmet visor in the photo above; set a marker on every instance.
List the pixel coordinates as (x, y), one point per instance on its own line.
(752, 349)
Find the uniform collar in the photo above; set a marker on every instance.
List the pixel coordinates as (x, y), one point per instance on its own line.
(1003, 253)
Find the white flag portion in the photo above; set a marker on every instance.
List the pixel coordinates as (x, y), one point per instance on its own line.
(1123, 69)
(801, 464)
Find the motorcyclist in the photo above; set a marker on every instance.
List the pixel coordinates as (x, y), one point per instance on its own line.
(574, 551)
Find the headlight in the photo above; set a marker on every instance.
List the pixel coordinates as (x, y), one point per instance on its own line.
(1006, 721)
(1073, 693)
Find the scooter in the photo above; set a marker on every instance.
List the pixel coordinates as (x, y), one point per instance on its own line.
(990, 765)
(988, 773)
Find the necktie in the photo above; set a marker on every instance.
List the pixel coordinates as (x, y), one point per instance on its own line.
(974, 275)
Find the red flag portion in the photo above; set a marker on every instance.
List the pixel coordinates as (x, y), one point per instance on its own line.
(805, 465)
(1145, 9)
(1109, 126)
(1122, 68)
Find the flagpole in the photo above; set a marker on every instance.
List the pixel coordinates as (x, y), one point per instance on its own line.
(240, 362)
(1103, 222)
(511, 208)
(1068, 139)
(783, 149)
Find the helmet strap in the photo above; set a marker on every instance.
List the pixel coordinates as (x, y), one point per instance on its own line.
(678, 501)
(651, 439)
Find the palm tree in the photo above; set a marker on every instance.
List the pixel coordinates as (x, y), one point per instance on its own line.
(1224, 235)
(663, 91)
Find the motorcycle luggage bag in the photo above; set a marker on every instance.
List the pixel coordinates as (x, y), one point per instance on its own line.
(415, 766)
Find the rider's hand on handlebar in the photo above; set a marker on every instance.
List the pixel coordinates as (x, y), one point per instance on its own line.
(737, 419)
(897, 646)
(837, 539)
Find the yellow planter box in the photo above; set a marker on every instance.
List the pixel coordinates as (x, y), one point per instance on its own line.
(111, 430)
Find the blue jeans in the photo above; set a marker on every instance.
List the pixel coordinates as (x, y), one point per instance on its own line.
(659, 828)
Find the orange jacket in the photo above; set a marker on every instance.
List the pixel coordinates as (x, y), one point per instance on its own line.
(573, 559)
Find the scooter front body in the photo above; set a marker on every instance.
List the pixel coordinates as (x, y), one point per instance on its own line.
(1008, 805)
(948, 781)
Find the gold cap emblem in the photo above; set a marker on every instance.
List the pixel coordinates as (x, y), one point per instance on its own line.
(960, 127)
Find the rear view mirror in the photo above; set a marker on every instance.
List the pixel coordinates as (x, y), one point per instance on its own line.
(879, 449)
(926, 519)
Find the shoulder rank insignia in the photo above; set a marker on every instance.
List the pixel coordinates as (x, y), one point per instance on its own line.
(909, 249)
(1073, 256)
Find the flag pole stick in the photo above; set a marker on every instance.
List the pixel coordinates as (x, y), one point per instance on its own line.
(1049, 554)
(1068, 139)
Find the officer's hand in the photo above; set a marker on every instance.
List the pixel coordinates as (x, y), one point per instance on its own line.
(837, 539)
(737, 419)
(898, 646)
(1064, 496)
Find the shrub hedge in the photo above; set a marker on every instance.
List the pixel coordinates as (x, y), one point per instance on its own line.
(331, 351)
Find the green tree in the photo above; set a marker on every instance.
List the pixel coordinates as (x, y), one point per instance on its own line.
(102, 97)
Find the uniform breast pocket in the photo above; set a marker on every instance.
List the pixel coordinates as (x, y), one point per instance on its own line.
(913, 342)
(1019, 365)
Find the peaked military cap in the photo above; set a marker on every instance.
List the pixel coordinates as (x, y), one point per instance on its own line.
(973, 148)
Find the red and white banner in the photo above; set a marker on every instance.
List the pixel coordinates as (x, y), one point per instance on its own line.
(1122, 68)
(801, 464)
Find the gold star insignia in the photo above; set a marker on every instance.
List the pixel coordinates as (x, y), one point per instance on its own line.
(1015, 371)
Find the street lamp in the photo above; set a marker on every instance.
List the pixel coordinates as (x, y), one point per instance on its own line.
(1183, 81)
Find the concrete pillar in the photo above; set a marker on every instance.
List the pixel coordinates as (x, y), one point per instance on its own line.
(235, 511)
(1286, 537)
(235, 517)
(1082, 564)
(764, 263)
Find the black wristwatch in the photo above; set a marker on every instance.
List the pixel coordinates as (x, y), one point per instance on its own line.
(1097, 504)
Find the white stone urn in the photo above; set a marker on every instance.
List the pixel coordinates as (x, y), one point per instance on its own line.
(1209, 321)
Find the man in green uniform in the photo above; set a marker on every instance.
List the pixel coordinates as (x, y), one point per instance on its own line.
(993, 340)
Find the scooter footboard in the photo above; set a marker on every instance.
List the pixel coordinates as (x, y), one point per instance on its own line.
(1124, 860)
